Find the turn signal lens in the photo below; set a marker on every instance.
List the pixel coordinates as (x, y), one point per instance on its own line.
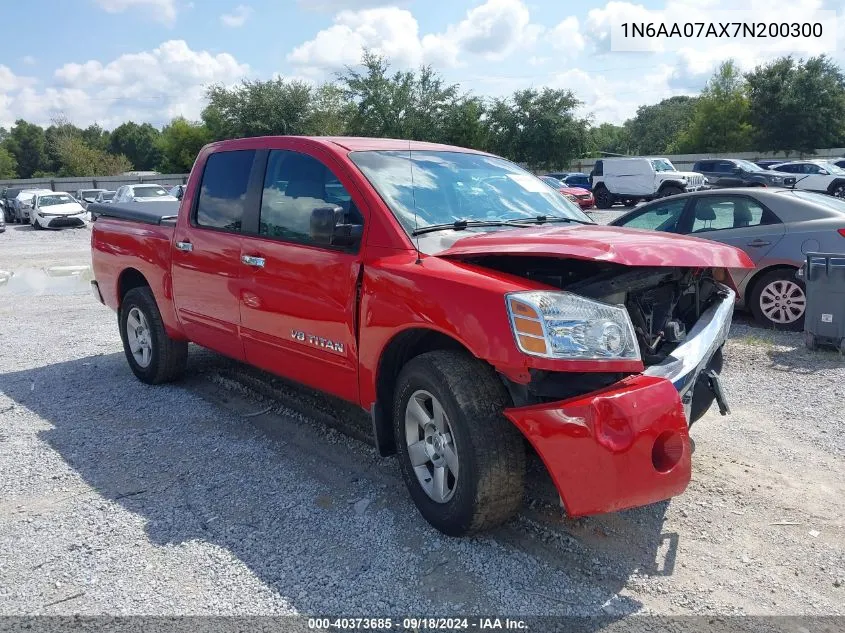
(528, 327)
(841, 232)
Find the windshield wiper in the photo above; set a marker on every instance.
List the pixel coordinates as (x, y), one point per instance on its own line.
(460, 225)
(542, 219)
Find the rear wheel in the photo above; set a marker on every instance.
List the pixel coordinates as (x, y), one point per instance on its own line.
(838, 189)
(630, 202)
(604, 199)
(778, 300)
(462, 461)
(153, 356)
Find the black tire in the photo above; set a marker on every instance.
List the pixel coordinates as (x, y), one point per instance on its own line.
(604, 199)
(630, 202)
(670, 190)
(754, 304)
(169, 357)
(36, 225)
(489, 487)
(837, 189)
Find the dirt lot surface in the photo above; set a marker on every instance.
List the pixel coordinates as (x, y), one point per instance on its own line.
(230, 493)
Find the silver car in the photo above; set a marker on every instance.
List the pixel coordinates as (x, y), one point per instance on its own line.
(775, 226)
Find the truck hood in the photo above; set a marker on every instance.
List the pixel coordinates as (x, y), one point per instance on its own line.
(683, 174)
(629, 247)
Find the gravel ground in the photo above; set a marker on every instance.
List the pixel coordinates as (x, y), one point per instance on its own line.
(211, 497)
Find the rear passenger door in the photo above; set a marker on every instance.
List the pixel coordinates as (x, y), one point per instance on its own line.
(206, 251)
(740, 221)
(299, 304)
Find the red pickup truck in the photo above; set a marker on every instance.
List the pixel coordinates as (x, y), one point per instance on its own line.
(471, 309)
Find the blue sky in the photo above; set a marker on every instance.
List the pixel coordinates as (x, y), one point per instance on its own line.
(107, 61)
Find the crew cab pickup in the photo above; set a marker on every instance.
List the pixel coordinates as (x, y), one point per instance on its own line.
(475, 313)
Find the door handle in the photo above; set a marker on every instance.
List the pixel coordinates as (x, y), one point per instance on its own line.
(251, 260)
(184, 246)
(759, 243)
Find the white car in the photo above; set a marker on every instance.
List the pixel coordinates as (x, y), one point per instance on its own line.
(141, 193)
(628, 180)
(23, 204)
(56, 209)
(815, 175)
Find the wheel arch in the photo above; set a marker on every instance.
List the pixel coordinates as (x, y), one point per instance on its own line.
(755, 279)
(834, 185)
(670, 183)
(400, 349)
(129, 278)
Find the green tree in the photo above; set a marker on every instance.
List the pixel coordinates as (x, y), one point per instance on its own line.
(179, 143)
(139, 143)
(537, 127)
(614, 139)
(720, 117)
(797, 105)
(464, 123)
(328, 113)
(258, 108)
(59, 128)
(654, 127)
(77, 159)
(8, 164)
(26, 142)
(96, 137)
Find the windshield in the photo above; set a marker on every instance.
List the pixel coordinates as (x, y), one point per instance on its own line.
(831, 202)
(552, 182)
(89, 193)
(831, 168)
(661, 164)
(49, 201)
(108, 195)
(150, 191)
(426, 188)
(747, 165)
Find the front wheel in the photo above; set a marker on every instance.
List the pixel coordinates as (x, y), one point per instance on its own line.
(36, 225)
(462, 461)
(153, 356)
(778, 301)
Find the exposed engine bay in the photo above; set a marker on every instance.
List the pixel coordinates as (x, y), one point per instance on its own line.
(663, 302)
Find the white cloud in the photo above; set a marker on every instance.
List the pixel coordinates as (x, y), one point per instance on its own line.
(492, 30)
(566, 37)
(237, 17)
(331, 6)
(160, 10)
(29, 60)
(150, 86)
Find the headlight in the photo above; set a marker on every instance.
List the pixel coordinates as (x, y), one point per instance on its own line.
(775, 179)
(565, 325)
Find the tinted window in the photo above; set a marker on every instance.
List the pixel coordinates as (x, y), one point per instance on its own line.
(294, 185)
(663, 216)
(598, 169)
(715, 213)
(225, 181)
(578, 181)
(790, 169)
(724, 167)
(704, 165)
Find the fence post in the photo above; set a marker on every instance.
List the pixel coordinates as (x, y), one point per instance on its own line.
(52, 184)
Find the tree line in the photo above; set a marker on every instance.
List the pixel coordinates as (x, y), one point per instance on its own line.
(789, 104)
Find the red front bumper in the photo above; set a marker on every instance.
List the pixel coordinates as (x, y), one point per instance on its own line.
(624, 446)
(587, 203)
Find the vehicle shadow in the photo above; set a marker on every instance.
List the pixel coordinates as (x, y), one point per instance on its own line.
(202, 463)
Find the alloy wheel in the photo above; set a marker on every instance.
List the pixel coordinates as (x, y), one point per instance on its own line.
(431, 446)
(139, 337)
(783, 301)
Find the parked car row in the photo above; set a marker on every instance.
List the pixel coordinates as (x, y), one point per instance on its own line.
(774, 226)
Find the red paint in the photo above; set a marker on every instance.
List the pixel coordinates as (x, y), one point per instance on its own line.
(601, 463)
(598, 447)
(583, 197)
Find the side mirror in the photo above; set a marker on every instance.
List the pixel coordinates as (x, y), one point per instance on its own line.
(329, 227)
(824, 172)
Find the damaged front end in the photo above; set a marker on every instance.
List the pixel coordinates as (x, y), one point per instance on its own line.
(680, 317)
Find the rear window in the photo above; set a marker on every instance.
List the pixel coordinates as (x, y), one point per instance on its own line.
(225, 181)
(823, 200)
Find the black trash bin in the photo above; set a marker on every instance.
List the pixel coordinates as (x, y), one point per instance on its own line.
(824, 323)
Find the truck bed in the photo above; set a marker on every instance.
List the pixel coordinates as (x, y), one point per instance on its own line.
(162, 212)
